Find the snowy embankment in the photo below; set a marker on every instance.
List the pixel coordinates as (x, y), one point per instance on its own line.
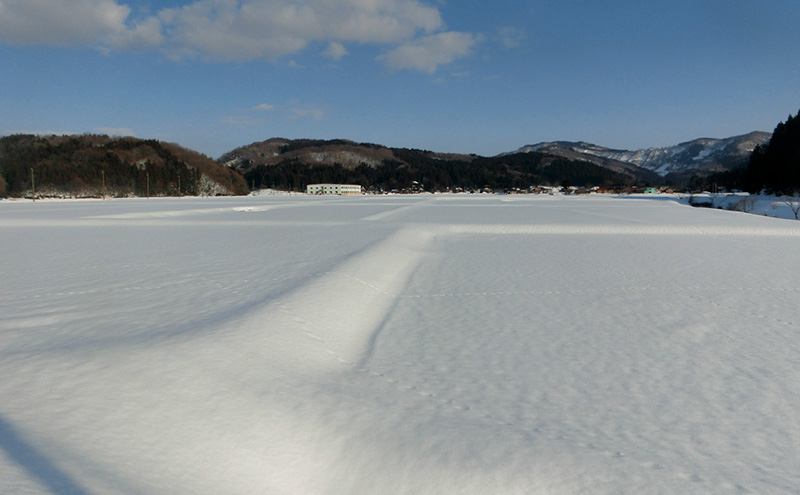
(420, 344)
(765, 205)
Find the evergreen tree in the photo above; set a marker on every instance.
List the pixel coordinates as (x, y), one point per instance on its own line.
(775, 167)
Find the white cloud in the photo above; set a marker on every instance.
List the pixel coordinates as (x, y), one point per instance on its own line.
(253, 29)
(68, 22)
(219, 29)
(145, 33)
(427, 53)
(335, 50)
(242, 30)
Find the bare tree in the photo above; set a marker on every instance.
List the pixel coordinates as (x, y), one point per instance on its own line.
(793, 202)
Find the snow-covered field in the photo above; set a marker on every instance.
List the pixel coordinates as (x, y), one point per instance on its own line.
(769, 206)
(431, 344)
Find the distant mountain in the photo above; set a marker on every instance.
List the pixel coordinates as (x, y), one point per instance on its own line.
(93, 165)
(346, 153)
(577, 152)
(702, 157)
(293, 164)
(90, 165)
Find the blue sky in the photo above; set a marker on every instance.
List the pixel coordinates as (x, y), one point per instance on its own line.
(467, 76)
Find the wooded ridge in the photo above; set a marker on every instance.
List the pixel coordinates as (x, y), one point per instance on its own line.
(97, 165)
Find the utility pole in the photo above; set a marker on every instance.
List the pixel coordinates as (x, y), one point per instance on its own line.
(33, 185)
(103, 176)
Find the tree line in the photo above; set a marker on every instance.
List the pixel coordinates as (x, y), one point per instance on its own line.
(773, 168)
(93, 165)
(422, 169)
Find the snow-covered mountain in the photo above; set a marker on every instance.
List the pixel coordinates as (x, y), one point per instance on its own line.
(700, 156)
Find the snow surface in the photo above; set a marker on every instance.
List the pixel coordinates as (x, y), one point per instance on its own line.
(766, 205)
(457, 344)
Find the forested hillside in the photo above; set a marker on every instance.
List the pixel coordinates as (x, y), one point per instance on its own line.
(412, 169)
(775, 167)
(96, 165)
(92, 165)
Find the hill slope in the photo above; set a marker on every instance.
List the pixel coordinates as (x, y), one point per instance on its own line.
(347, 153)
(91, 165)
(680, 162)
(292, 164)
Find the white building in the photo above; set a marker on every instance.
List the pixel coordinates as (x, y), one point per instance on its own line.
(336, 189)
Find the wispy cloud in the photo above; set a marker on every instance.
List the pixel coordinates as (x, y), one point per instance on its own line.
(242, 30)
(426, 54)
(263, 112)
(240, 121)
(511, 37)
(308, 112)
(335, 50)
